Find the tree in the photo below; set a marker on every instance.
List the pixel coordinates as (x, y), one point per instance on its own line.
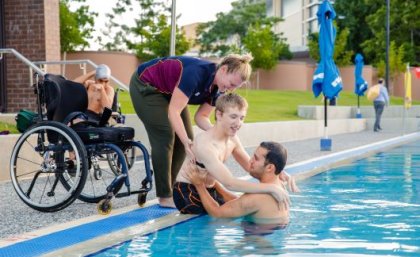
(75, 27)
(396, 64)
(234, 32)
(265, 46)
(150, 36)
(366, 22)
(341, 57)
(352, 16)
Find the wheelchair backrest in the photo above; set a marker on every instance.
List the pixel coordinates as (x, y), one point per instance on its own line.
(63, 97)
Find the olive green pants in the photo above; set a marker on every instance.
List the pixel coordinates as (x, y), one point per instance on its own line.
(167, 150)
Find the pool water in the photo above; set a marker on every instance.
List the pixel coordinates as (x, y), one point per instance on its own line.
(370, 207)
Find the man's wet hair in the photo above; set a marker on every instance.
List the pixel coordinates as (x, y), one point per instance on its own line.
(231, 100)
(276, 155)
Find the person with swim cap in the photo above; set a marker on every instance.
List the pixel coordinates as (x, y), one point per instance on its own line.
(100, 92)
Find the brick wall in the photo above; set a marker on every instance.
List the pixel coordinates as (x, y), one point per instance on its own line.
(31, 28)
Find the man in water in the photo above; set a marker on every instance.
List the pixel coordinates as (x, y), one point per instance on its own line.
(266, 164)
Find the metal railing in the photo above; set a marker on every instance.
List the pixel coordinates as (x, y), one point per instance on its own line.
(83, 65)
(32, 66)
(42, 70)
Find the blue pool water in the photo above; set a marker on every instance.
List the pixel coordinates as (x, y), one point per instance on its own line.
(370, 207)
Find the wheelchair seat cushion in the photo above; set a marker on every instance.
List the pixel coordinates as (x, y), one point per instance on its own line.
(91, 134)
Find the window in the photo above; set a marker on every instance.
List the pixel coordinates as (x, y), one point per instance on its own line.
(289, 7)
(269, 7)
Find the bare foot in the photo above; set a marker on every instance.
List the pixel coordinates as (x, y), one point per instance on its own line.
(167, 202)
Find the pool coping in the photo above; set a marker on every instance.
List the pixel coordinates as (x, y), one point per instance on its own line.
(95, 243)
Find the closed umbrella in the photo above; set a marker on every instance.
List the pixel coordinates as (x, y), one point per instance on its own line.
(326, 78)
(360, 85)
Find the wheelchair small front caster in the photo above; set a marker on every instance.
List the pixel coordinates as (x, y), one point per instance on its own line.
(104, 207)
(141, 199)
(97, 173)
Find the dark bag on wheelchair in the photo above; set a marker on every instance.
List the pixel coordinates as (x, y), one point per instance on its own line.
(92, 134)
(25, 119)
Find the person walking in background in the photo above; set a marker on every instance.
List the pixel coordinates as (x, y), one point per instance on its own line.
(379, 104)
(162, 88)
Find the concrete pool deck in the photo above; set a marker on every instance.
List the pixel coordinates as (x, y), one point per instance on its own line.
(20, 222)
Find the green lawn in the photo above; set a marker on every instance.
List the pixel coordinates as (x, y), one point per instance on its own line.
(264, 105)
(275, 105)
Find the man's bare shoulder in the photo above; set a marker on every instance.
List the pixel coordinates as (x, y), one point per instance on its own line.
(202, 142)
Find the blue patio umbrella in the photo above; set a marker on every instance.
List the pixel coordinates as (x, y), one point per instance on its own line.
(360, 85)
(326, 78)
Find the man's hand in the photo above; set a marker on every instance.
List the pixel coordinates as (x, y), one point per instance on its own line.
(196, 177)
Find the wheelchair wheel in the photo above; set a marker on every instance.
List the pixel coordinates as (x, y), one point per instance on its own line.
(130, 157)
(39, 163)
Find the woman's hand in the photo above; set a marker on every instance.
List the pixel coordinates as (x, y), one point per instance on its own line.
(188, 151)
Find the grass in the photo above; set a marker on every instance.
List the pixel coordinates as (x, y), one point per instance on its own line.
(276, 105)
(264, 105)
(10, 127)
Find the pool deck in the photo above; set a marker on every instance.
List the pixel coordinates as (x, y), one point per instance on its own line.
(20, 224)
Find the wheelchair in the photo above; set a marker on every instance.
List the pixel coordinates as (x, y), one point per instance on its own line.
(56, 160)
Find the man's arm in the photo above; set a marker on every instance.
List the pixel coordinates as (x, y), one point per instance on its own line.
(107, 96)
(239, 207)
(83, 78)
(234, 208)
(226, 194)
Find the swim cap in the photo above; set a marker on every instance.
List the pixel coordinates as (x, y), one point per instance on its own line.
(102, 72)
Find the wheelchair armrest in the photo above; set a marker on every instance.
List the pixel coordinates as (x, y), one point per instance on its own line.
(74, 115)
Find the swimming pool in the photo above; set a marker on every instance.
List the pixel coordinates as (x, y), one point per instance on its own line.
(370, 207)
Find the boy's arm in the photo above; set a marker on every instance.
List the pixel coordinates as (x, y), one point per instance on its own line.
(240, 155)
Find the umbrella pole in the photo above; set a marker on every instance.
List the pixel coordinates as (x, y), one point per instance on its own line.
(358, 114)
(325, 118)
(325, 142)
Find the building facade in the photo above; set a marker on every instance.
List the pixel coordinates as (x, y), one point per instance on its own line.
(32, 28)
(299, 20)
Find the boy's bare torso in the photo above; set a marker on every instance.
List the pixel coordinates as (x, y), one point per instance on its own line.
(223, 150)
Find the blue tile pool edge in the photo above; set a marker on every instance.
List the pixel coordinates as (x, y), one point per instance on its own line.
(53, 244)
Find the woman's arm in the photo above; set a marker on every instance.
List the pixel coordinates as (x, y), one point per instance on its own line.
(178, 102)
(202, 116)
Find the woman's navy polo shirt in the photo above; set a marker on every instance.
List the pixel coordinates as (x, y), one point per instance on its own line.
(193, 76)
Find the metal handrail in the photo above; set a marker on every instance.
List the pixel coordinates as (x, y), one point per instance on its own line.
(21, 58)
(83, 62)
